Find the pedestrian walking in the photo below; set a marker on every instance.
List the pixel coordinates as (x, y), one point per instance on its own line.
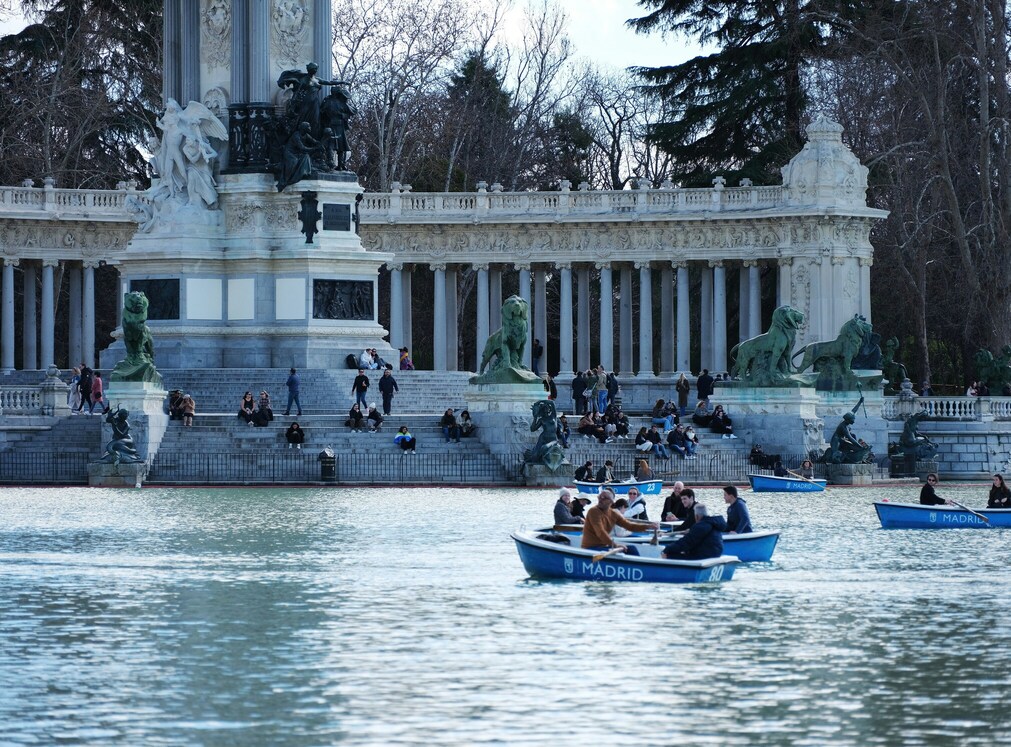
(387, 387)
(293, 383)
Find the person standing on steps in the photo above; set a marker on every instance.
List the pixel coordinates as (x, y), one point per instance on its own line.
(536, 351)
(387, 386)
(293, 384)
(360, 389)
(705, 386)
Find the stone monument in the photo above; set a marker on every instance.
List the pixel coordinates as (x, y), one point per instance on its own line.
(246, 245)
(545, 463)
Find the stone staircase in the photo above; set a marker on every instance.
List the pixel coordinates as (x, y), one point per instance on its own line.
(51, 450)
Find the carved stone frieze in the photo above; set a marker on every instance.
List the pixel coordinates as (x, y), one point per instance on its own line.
(289, 21)
(72, 241)
(216, 31)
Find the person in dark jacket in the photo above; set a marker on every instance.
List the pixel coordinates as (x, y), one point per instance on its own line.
(704, 539)
(604, 474)
(293, 383)
(563, 508)
(585, 473)
(687, 502)
(360, 388)
(536, 351)
(1000, 495)
(450, 428)
(672, 508)
(927, 495)
(562, 431)
(578, 388)
(738, 519)
(612, 387)
(549, 387)
(375, 420)
(705, 386)
(683, 387)
(387, 386)
(295, 436)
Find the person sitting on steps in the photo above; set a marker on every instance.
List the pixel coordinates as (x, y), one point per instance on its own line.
(405, 440)
(355, 419)
(246, 408)
(721, 423)
(295, 436)
(450, 428)
(264, 412)
(375, 420)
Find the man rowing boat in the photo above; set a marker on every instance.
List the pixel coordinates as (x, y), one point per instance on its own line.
(601, 520)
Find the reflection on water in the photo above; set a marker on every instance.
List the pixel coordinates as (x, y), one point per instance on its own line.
(258, 617)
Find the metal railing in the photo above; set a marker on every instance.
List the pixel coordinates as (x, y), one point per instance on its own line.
(44, 467)
(303, 466)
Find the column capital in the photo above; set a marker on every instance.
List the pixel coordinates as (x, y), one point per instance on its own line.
(479, 266)
(837, 260)
(602, 265)
(563, 265)
(715, 263)
(680, 264)
(785, 261)
(749, 263)
(12, 261)
(643, 264)
(866, 261)
(394, 266)
(91, 264)
(437, 266)
(521, 266)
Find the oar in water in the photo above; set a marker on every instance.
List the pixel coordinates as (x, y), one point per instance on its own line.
(601, 555)
(974, 513)
(807, 479)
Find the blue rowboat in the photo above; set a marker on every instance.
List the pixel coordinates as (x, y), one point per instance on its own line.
(772, 484)
(754, 547)
(646, 487)
(918, 516)
(543, 559)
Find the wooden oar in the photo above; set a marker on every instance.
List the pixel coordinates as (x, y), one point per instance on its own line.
(807, 479)
(966, 508)
(656, 536)
(601, 555)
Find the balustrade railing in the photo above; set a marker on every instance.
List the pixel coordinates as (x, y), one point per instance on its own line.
(951, 408)
(20, 400)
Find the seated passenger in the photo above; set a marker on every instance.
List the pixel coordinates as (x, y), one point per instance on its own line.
(405, 440)
(604, 474)
(579, 504)
(563, 508)
(779, 470)
(356, 418)
(585, 473)
(601, 520)
(295, 436)
(927, 495)
(643, 472)
(636, 506)
(738, 519)
(807, 469)
(704, 539)
(1000, 495)
(246, 408)
(672, 508)
(687, 499)
(621, 506)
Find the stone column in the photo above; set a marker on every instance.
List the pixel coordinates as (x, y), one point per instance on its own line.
(865, 287)
(706, 315)
(7, 315)
(396, 305)
(73, 272)
(583, 310)
(452, 322)
(606, 316)
(30, 333)
(47, 353)
(190, 48)
(666, 319)
(719, 316)
(784, 294)
(408, 323)
(625, 323)
(524, 293)
(239, 73)
(743, 305)
(541, 316)
(439, 326)
(645, 319)
(322, 38)
(171, 85)
(754, 300)
(565, 320)
(483, 329)
(88, 314)
(261, 86)
(495, 298)
(684, 320)
(826, 297)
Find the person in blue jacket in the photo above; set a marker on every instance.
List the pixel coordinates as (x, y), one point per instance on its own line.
(738, 519)
(704, 539)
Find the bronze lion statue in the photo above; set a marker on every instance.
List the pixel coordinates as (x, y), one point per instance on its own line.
(840, 351)
(505, 346)
(765, 360)
(138, 365)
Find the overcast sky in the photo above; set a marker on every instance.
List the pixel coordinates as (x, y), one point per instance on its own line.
(596, 28)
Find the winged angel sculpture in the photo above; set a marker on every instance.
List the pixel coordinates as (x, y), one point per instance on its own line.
(183, 159)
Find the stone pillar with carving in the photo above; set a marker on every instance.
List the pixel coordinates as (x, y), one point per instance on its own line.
(865, 287)
(626, 365)
(583, 311)
(606, 317)
(667, 333)
(784, 295)
(88, 313)
(540, 318)
(48, 321)
(645, 319)
(452, 322)
(396, 304)
(72, 271)
(7, 314)
(719, 316)
(439, 325)
(565, 320)
(706, 318)
(754, 299)
(483, 328)
(495, 298)
(684, 347)
(29, 320)
(524, 293)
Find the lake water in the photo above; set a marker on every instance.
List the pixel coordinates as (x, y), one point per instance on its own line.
(389, 617)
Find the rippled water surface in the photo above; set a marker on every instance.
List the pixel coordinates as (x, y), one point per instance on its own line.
(316, 617)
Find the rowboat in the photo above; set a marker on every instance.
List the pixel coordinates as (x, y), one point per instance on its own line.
(646, 487)
(772, 484)
(544, 559)
(919, 516)
(753, 547)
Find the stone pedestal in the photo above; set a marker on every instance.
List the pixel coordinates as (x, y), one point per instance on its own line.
(849, 474)
(783, 420)
(538, 474)
(121, 475)
(502, 413)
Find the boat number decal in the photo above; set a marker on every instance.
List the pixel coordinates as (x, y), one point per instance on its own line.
(933, 516)
(568, 565)
(605, 570)
(716, 573)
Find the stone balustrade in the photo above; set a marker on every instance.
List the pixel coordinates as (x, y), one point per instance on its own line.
(20, 400)
(67, 204)
(953, 408)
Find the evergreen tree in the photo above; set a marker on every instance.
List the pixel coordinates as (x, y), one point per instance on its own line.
(738, 111)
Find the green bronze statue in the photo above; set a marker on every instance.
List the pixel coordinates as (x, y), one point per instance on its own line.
(547, 450)
(120, 448)
(846, 448)
(832, 360)
(503, 352)
(913, 442)
(765, 360)
(138, 365)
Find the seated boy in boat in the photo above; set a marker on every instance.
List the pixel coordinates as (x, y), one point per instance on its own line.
(601, 520)
(704, 539)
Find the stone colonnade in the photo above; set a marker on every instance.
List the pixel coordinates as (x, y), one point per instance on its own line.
(39, 329)
(574, 339)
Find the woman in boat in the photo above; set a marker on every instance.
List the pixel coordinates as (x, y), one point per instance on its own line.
(405, 440)
(355, 419)
(807, 469)
(621, 506)
(643, 472)
(246, 408)
(928, 496)
(636, 506)
(1000, 494)
(563, 509)
(295, 436)
(721, 423)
